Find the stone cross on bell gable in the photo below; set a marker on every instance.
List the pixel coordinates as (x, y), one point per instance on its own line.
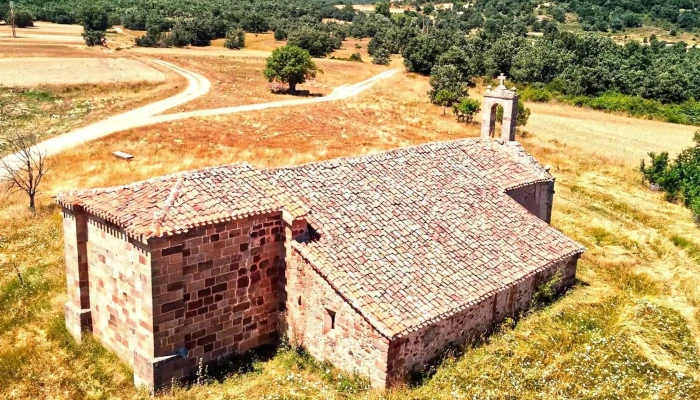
(508, 99)
(502, 79)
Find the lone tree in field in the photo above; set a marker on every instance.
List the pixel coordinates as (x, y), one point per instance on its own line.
(95, 25)
(25, 167)
(291, 65)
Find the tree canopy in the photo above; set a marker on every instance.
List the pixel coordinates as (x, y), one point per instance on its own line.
(290, 64)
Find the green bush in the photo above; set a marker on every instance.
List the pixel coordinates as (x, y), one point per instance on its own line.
(680, 178)
(235, 39)
(381, 57)
(94, 38)
(355, 57)
(536, 95)
(466, 108)
(24, 19)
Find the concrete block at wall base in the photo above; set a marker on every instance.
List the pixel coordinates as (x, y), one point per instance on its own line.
(78, 320)
(160, 373)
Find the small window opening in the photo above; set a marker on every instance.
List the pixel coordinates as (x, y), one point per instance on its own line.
(328, 321)
(299, 300)
(125, 297)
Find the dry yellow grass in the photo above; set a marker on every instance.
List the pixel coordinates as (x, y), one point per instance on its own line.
(630, 329)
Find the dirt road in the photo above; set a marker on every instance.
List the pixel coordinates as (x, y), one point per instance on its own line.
(197, 86)
(339, 93)
(149, 114)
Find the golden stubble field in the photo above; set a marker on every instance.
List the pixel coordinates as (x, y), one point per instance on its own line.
(629, 329)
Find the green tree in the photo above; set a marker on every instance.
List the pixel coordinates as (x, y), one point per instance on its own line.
(95, 18)
(318, 43)
(445, 98)
(235, 39)
(466, 108)
(382, 8)
(459, 58)
(420, 54)
(24, 19)
(95, 22)
(290, 64)
(280, 34)
(446, 77)
(381, 57)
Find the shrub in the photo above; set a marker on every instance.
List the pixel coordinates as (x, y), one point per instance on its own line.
(179, 36)
(280, 34)
(235, 39)
(466, 108)
(522, 117)
(355, 57)
(95, 38)
(24, 19)
(152, 38)
(536, 95)
(680, 179)
(547, 292)
(381, 57)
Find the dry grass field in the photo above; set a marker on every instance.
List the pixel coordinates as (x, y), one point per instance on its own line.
(74, 71)
(629, 329)
(239, 80)
(45, 32)
(51, 101)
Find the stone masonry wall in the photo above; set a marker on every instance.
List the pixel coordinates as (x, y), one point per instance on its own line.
(537, 198)
(120, 289)
(411, 353)
(216, 289)
(349, 342)
(77, 308)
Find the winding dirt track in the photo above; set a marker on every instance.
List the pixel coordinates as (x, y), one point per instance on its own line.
(149, 114)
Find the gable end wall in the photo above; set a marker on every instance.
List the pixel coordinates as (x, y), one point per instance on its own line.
(120, 289)
(537, 198)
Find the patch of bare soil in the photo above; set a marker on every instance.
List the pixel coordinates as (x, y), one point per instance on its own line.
(37, 71)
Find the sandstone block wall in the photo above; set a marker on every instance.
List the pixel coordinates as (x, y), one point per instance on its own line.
(537, 198)
(216, 289)
(346, 339)
(120, 289)
(77, 308)
(411, 353)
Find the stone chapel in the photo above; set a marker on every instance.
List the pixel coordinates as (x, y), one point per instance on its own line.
(376, 263)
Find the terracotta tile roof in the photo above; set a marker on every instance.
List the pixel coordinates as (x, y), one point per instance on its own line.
(417, 234)
(175, 203)
(406, 237)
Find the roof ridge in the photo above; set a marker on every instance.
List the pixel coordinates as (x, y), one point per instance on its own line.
(159, 216)
(382, 154)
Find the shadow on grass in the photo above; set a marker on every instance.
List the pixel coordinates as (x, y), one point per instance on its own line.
(241, 363)
(298, 93)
